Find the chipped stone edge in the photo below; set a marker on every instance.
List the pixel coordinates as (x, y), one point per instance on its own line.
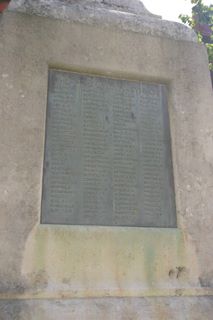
(144, 24)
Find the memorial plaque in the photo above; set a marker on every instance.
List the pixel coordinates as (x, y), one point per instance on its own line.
(107, 153)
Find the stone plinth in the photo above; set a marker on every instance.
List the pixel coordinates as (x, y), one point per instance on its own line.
(52, 272)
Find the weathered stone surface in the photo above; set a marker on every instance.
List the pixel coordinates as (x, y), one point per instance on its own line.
(133, 6)
(131, 15)
(57, 262)
(176, 308)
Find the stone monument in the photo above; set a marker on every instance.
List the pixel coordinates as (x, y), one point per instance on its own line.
(106, 164)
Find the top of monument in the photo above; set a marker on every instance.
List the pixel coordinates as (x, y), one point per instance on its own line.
(125, 14)
(129, 6)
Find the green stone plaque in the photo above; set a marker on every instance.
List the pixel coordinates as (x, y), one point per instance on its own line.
(107, 153)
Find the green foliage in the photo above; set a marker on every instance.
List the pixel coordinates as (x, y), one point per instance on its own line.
(201, 21)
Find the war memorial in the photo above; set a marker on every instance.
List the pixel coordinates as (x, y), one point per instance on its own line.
(106, 164)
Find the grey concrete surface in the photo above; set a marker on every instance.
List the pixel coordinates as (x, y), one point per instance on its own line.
(107, 309)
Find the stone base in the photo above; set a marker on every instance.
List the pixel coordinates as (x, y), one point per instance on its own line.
(177, 308)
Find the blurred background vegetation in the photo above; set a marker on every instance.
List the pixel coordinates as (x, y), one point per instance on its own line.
(201, 21)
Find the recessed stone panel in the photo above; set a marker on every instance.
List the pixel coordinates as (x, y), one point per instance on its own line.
(107, 153)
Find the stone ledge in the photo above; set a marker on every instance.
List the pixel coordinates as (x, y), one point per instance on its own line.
(107, 13)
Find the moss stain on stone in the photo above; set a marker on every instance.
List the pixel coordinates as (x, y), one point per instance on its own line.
(92, 258)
